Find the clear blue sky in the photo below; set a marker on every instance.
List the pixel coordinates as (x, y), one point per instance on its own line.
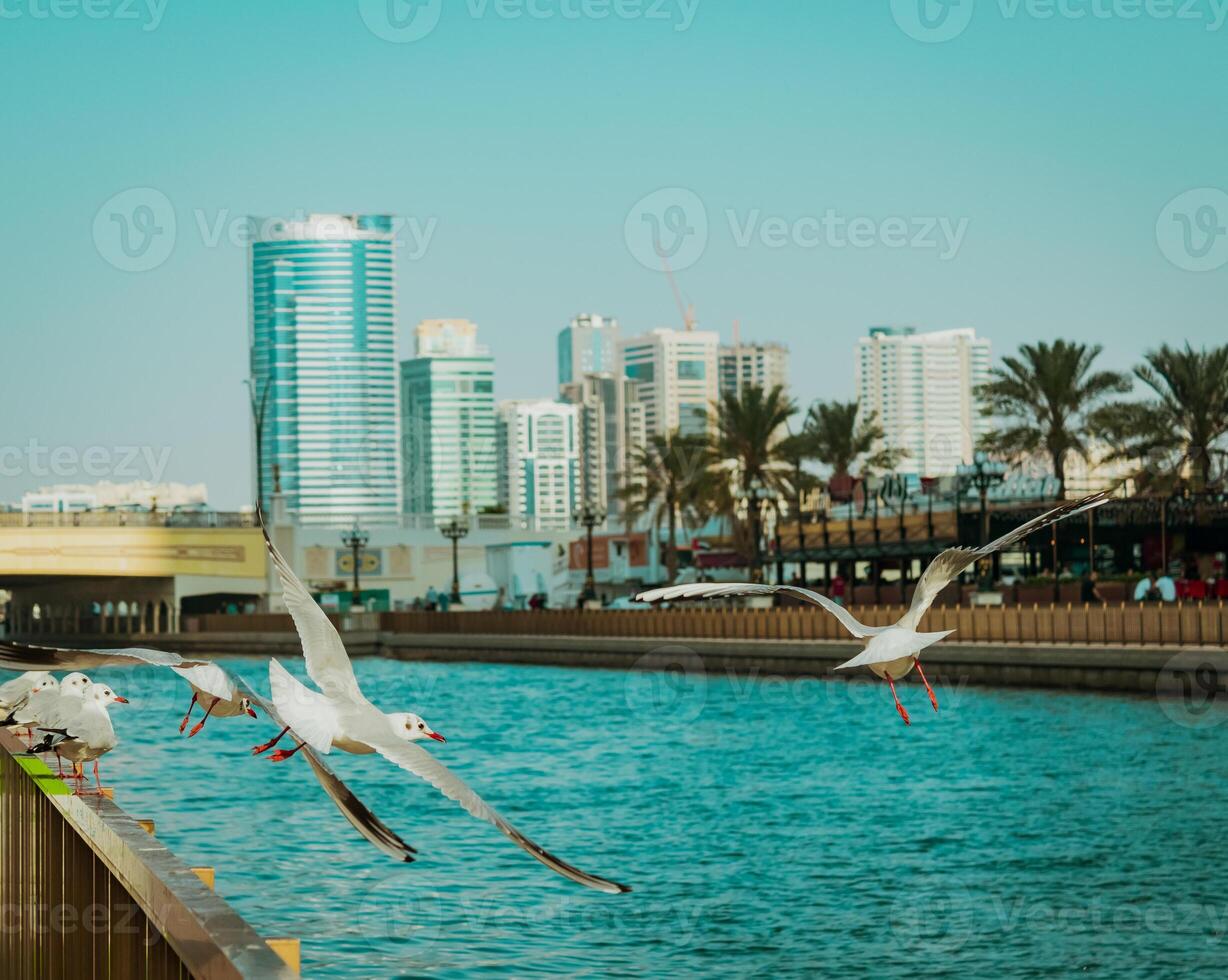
(528, 141)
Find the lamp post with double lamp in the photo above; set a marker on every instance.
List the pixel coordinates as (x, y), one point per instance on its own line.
(454, 530)
(356, 539)
(757, 494)
(589, 515)
(983, 473)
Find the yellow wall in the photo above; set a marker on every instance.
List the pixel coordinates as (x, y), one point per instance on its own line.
(134, 551)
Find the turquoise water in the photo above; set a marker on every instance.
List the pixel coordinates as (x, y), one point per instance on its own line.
(769, 828)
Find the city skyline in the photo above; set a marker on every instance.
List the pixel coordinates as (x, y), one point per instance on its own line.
(1054, 201)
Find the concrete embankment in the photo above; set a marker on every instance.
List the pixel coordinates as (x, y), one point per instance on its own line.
(1200, 671)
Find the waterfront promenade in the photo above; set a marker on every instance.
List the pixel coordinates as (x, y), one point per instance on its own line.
(1134, 647)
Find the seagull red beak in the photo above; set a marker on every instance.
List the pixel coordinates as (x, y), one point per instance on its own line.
(119, 700)
(437, 737)
(252, 713)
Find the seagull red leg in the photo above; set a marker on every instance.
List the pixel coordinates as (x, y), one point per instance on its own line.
(929, 690)
(257, 749)
(208, 711)
(281, 755)
(898, 707)
(191, 704)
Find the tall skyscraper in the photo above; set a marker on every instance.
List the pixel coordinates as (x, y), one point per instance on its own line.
(611, 423)
(448, 422)
(922, 385)
(587, 345)
(539, 461)
(675, 375)
(323, 367)
(744, 366)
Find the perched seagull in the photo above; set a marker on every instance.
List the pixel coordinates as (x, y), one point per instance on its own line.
(229, 696)
(88, 736)
(28, 711)
(64, 708)
(339, 716)
(891, 651)
(14, 692)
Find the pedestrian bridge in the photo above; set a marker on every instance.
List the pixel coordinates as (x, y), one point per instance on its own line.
(116, 572)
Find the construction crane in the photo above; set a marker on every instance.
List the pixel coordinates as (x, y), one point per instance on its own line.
(688, 312)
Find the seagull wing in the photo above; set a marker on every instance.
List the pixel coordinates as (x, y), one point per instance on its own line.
(203, 673)
(715, 590)
(413, 758)
(327, 662)
(943, 569)
(345, 799)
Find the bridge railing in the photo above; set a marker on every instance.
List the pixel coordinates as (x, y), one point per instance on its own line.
(86, 892)
(125, 518)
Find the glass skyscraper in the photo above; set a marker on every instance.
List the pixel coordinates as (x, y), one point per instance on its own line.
(448, 422)
(323, 367)
(587, 345)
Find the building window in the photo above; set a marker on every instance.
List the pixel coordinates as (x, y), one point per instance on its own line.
(692, 370)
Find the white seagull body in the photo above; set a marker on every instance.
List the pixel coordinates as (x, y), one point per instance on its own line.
(89, 735)
(891, 652)
(28, 710)
(339, 716)
(14, 692)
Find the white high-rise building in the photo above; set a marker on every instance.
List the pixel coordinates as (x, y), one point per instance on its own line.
(675, 375)
(539, 461)
(611, 423)
(448, 422)
(922, 385)
(587, 345)
(745, 366)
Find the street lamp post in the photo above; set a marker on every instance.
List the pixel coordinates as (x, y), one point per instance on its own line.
(589, 515)
(757, 495)
(982, 473)
(454, 530)
(356, 539)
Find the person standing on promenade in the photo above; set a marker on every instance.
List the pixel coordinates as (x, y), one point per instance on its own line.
(1090, 591)
(837, 589)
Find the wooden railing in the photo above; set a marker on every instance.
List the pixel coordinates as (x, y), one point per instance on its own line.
(1125, 624)
(1202, 624)
(85, 891)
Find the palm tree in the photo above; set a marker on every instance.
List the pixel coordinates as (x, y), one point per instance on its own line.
(673, 485)
(794, 481)
(747, 440)
(1047, 392)
(1185, 424)
(842, 439)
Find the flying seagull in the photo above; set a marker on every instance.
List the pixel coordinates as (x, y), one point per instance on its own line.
(224, 694)
(891, 652)
(339, 716)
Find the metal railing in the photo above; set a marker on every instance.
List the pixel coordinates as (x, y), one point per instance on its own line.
(86, 892)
